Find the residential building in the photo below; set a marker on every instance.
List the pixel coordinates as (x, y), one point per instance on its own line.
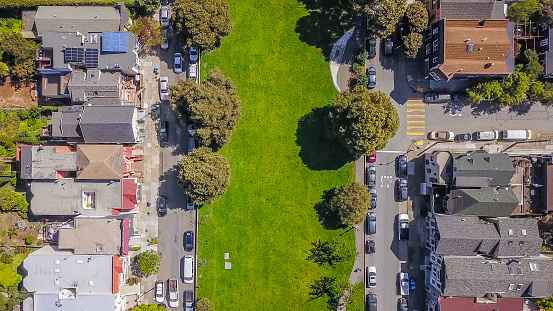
(46, 162)
(545, 51)
(481, 304)
(60, 280)
(463, 9)
(546, 176)
(95, 87)
(469, 48)
(486, 201)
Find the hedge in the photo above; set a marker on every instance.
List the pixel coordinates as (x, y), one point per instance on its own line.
(32, 3)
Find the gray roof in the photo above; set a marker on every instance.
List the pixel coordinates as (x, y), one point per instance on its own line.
(475, 276)
(51, 271)
(95, 87)
(108, 124)
(488, 201)
(495, 237)
(479, 9)
(66, 197)
(83, 19)
(92, 236)
(65, 122)
(88, 302)
(126, 62)
(482, 169)
(46, 162)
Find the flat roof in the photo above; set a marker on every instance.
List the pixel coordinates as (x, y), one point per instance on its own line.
(46, 162)
(92, 236)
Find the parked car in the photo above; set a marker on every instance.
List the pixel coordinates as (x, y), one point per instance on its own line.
(371, 74)
(192, 144)
(369, 247)
(441, 135)
(189, 241)
(188, 270)
(404, 283)
(191, 129)
(437, 97)
(463, 137)
(402, 304)
(371, 301)
(389, 46)
(193, 54)
(371, 223)
(188, 300)
(164, 88)
(163, 126)
(371, 276)
(160, 291)
(520, 135)
(164, 16)
(165, 36)
(372, 47)
(371, 158)
(372, 191)
(460, 97)
(189, 203)
(485, 135)
(403, 227)
(177, 67)
(161, 206)
(401, 189)
(401, 166)
(371, 176)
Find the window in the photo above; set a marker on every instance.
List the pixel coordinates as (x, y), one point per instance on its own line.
(493, 266)
(521, 243)
(510, 231)
(519, 270)
(428, 170)
(435, 43)
(434, 60)
(510, 243)
(511, 271)
(523, 231)
(534, 266)
(511, 286)
(544, 42)
(435, 31)
(428, 49)
(427, 162)
(519, 286)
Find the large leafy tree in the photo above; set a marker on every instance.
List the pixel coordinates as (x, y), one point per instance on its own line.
(347, 204)
(202, 23)
(383, 16)
(148, 5)
(411, 44)
(149, 262)
(12, 200)
(522, 10)
(213, 107)
(204, 304)
(331, 252)
(148, 31)
(531, 64)
(509, 92)
(205, 175)
(363, 121)
(544, 13)
(416, 16)
(20, 54)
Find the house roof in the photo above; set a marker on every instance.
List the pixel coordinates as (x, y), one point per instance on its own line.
(88, 302)
(487, 201)
(491, 42)
(130, 188)
(482, 169)
(469, 303)
(46, 162)
(65, 122)
(495, 237)
(475, 9)
(68, 196)
(95, 86)
(99, 161)
(92, 236)
(474, 276)
(108, 124)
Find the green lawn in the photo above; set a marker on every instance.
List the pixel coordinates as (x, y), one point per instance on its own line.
(266, 220)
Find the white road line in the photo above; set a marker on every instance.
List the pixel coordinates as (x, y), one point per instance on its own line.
(390, 151)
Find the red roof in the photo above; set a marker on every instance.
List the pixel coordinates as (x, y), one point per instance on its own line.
(130, 186)
(126, 236)
(468, 303)
(117, 269)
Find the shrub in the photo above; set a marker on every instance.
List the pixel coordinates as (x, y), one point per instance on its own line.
(362, 57)
(136, 248)
(29, 240)
(357, 68)
(362, 79)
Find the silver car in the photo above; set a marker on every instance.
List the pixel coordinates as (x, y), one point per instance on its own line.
(164, 88)
(164, 16)
(371, 176)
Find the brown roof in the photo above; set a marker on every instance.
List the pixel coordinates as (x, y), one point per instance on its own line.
(491, 41)
(100, 162)
(468, 303)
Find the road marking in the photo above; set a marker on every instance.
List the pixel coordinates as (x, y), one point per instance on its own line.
(415, 110)
(414, 99)
(416, 116)
(415, 127)
(416, 122)
(415, 104)
(390, 151)
(414, 133)
(386, 181)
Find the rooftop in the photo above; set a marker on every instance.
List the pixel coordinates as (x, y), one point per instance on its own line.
(480, 169)
(99, 161)
(473, 9)
(92, 236)
(487, 201)
(469, 303)
(46, 162)
(93, 86)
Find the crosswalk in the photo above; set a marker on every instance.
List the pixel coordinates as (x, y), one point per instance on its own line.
(415, 117)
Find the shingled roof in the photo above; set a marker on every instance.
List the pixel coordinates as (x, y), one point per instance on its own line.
(108, 124)
(100, 162)
(482, 169)
(474, 9)
(488, 201)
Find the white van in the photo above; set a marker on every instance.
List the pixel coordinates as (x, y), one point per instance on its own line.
(516, 134)
(188, 270)
(486, 135)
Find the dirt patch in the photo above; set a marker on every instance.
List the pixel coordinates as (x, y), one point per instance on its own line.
(18, 95)
(12, 234)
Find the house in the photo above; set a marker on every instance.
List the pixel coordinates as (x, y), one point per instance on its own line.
(464, 9)
(82, 19)
(491, 237)
(46, 162)
(60, 280)
(95, 87)
(480, 304)
(95, 236)
(487, 201)
(95, 124)
(469, 48)
(545, 51)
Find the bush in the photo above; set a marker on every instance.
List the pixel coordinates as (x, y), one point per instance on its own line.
(136, 248)
(357, 68)
(33, 3)
(362, 79)
(29, 240)
(149, 262)
(6, 258)
(133, 280)
(362, 57)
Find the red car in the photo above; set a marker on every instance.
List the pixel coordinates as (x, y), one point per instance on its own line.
(372, 158)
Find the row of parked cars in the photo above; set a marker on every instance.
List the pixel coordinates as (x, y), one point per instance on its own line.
(509, 135)
(173, 295)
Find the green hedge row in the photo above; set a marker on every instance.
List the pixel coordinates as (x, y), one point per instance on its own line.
(32, 3)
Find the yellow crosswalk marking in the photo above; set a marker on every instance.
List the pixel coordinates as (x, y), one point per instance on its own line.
(415, 127)
(415, 122)
(415, 105)
(414, 99)
(416, 116)
(415, 133)
(415, 110)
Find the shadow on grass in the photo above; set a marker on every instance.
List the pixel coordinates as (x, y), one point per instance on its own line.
(326, 22)
(318, 151)
(329, 219)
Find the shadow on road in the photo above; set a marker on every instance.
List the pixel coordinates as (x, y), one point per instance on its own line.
(318, 150)
(521, 109)
(484, 108)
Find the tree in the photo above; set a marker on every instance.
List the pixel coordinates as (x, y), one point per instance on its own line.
(544, 13)
(347, 204)
(509, 92)
(522, 10)
(148, 31)
(202, 23)
(205, 175)
(8, 276)
(363, 121)
(383, 16)
(213, 107)
(145, 307)
(412, 43)
(149, 262)
(331, 252)
(24, 70)
(330, 287)
(362, 79)
(9, 199)
(204, 304)
(416, 16)
(17, 46)
(148, 5)
(531, 64)
(4, 70)
(545, 303)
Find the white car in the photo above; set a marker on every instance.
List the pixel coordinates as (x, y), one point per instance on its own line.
(160, 291)
(403, 226)
(178, 63)
(371, 275)
(164, 16)
(164, 88)
(404, 283)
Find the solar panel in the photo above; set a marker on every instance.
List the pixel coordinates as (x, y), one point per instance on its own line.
(91, 58)
(115, 42)
(73, 55)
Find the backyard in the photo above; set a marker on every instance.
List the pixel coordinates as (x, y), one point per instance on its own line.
(281, 164)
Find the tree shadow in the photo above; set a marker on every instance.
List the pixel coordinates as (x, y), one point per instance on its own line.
(319, 150)
(521, 109)
(329, 219)
(484, 108)
(326, 22)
